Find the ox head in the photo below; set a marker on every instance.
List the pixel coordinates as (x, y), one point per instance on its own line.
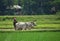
(33, 22)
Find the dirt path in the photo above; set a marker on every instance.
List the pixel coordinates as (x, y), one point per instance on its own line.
(31, 30)
(7, 30)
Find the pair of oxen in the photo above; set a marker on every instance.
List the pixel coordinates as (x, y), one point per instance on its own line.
(25, 25)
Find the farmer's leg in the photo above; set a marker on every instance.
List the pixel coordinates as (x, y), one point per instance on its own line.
(14, 26)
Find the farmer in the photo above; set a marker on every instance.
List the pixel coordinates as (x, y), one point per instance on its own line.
(14, 22)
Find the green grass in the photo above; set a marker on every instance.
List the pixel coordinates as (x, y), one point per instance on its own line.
(43, 21)
(29, 36)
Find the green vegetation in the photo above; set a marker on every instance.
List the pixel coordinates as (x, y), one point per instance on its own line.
(29, 36)
(43, 21)
(29, 7)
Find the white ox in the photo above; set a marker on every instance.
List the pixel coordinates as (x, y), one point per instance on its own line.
(25, 25)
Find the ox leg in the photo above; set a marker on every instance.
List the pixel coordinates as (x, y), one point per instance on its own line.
(29, 28)
(24, 28)
(16, 28)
